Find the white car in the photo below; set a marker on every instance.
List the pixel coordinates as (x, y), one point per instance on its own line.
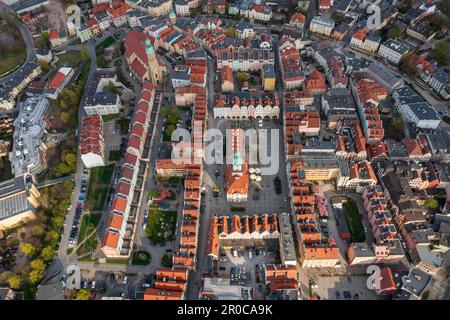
(93, 284)
(125, 279)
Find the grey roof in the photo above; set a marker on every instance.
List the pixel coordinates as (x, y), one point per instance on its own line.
(23, 6)
(287, 237)
(268, 70)
(424, 111)
(396, 46)
(13, 198)
(383, 74)
(103, 98)
(51, 292)
(442, 76)
(7, 86)
(416, 281)
(362, 249)
(396, 149)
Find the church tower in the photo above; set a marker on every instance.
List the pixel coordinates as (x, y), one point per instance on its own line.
(172, 17)
(154, 68)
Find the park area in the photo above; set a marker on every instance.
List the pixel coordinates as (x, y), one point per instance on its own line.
(353, 220)
(87, 228)
(99, 183)
(160, 226)
(12, 46)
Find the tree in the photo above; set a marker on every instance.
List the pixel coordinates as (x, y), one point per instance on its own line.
(395, 33)
(444, 6)
(37, 230)
(47, 253)
(44, 66)
(82, 294)
(51, 236)
(28, 249)
(111, 87)
(242, 76)
(166, 261)
(168, 132)
(65, 117)
(63, 104)
(431, 203)
(58, 221)
(406, 64)
(153, 194)
(15, 282)
(35, 276)
(43, 41)
(71, 159)
(337, 16)
(38, 265)
(396, 125)
(442, 52)
(6, 275)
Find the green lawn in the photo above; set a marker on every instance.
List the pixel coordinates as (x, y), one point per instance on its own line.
(141, 258)
(353, 221)
(13, 49)
(161, 226)
(124, 124)
(110, 117)
(69, 59)
(117, 261)
(88, 225)
(98, 187)
(10, 62)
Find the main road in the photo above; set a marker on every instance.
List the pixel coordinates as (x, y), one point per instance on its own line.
(60, 264)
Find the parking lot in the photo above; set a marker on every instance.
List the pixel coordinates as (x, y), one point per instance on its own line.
(244, 270)
(78, 211)
(343, 288)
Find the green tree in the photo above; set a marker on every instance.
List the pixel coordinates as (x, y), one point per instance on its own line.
(58, 221)
(166, 261)
(44, 66)
(242, 76)
(442, 53)
(47, 253)
(168, 132)
(444, 6)
(35, 276)
(153, 194)
(431, 203)
(43, 41)
(337, 16)
(63, 104)
(82, 294)
(71, 159)
(6, 275)
(65, 117)
(37, 231)
(51, 236)
(28, 249)
(15, 282)
(38, 265)
(395, 33)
